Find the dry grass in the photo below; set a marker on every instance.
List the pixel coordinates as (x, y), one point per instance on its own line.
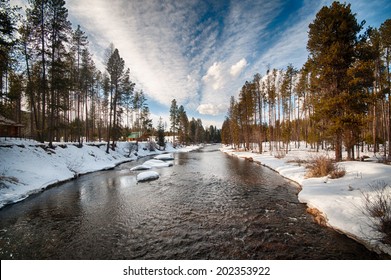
(338, 172)
(323, 166)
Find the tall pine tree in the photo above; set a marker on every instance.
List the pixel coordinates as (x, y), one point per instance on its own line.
(331, 44)
(115, 67)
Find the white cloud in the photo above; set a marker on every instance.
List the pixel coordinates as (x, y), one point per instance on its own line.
(167, 46)
(237, 68)
(212, 109)
(198, 52)
(214, 76)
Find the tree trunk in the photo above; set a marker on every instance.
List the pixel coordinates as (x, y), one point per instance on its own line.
(338, 146)
(43, 83)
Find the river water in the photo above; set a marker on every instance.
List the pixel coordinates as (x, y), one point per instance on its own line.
(207, 206)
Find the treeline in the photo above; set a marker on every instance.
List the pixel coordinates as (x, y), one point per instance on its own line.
(47, 66)
(339, 98)
(186, 132)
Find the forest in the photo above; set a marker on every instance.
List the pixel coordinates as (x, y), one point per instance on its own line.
(51, 85)
(339, 99)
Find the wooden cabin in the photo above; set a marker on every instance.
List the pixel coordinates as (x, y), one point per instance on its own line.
(9, 128)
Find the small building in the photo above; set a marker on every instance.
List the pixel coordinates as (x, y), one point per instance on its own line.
(137, 136)
(134, 136)
(9, 128)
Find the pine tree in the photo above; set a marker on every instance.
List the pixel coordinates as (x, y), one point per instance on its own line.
(160, 134)
(259, 100)
(385, 33)
(128, 95)
(302, 90)
(226, 135)
(59, 29)
(145, 120)
(174, 118)
(8, 29)
(141, 110)
(115, 67)
(331, 44)
(37, 21)
(246, 105)
(79, 44)
(183, 125)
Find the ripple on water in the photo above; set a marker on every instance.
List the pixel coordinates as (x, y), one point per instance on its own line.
(207, 206)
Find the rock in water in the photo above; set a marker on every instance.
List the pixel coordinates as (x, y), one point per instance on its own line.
(165, 157)
(147, 176)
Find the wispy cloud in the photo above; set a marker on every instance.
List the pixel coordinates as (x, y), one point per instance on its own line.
(193, 51)
(149, 35)
(289, 42)
(244, 25)
(199, 52)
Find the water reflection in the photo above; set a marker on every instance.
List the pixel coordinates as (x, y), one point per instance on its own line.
(207, 206)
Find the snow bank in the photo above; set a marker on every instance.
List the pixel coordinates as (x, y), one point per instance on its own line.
(147, 176)
(340, 200)
(28, 167)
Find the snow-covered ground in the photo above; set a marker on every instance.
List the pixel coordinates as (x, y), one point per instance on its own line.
(340, 200)
(27, 166)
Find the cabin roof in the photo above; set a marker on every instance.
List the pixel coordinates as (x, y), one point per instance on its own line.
(7, 122)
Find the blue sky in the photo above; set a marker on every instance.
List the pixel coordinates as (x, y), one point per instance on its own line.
(202, 52)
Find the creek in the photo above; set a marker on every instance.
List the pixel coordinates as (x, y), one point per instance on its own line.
(208, 205)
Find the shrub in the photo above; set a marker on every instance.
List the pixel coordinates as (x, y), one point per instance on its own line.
(320, 166)
(377, 205)
(323, 166)
(338, 172)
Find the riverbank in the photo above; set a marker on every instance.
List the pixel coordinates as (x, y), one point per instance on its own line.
(28, 167)
(340, 201)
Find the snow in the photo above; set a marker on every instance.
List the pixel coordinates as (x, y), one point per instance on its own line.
(140, 167)
(188, 149)
(340, 200)
(157, 163)
(152, 163)
(28, 167)
(147, 176)
(164, 157)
